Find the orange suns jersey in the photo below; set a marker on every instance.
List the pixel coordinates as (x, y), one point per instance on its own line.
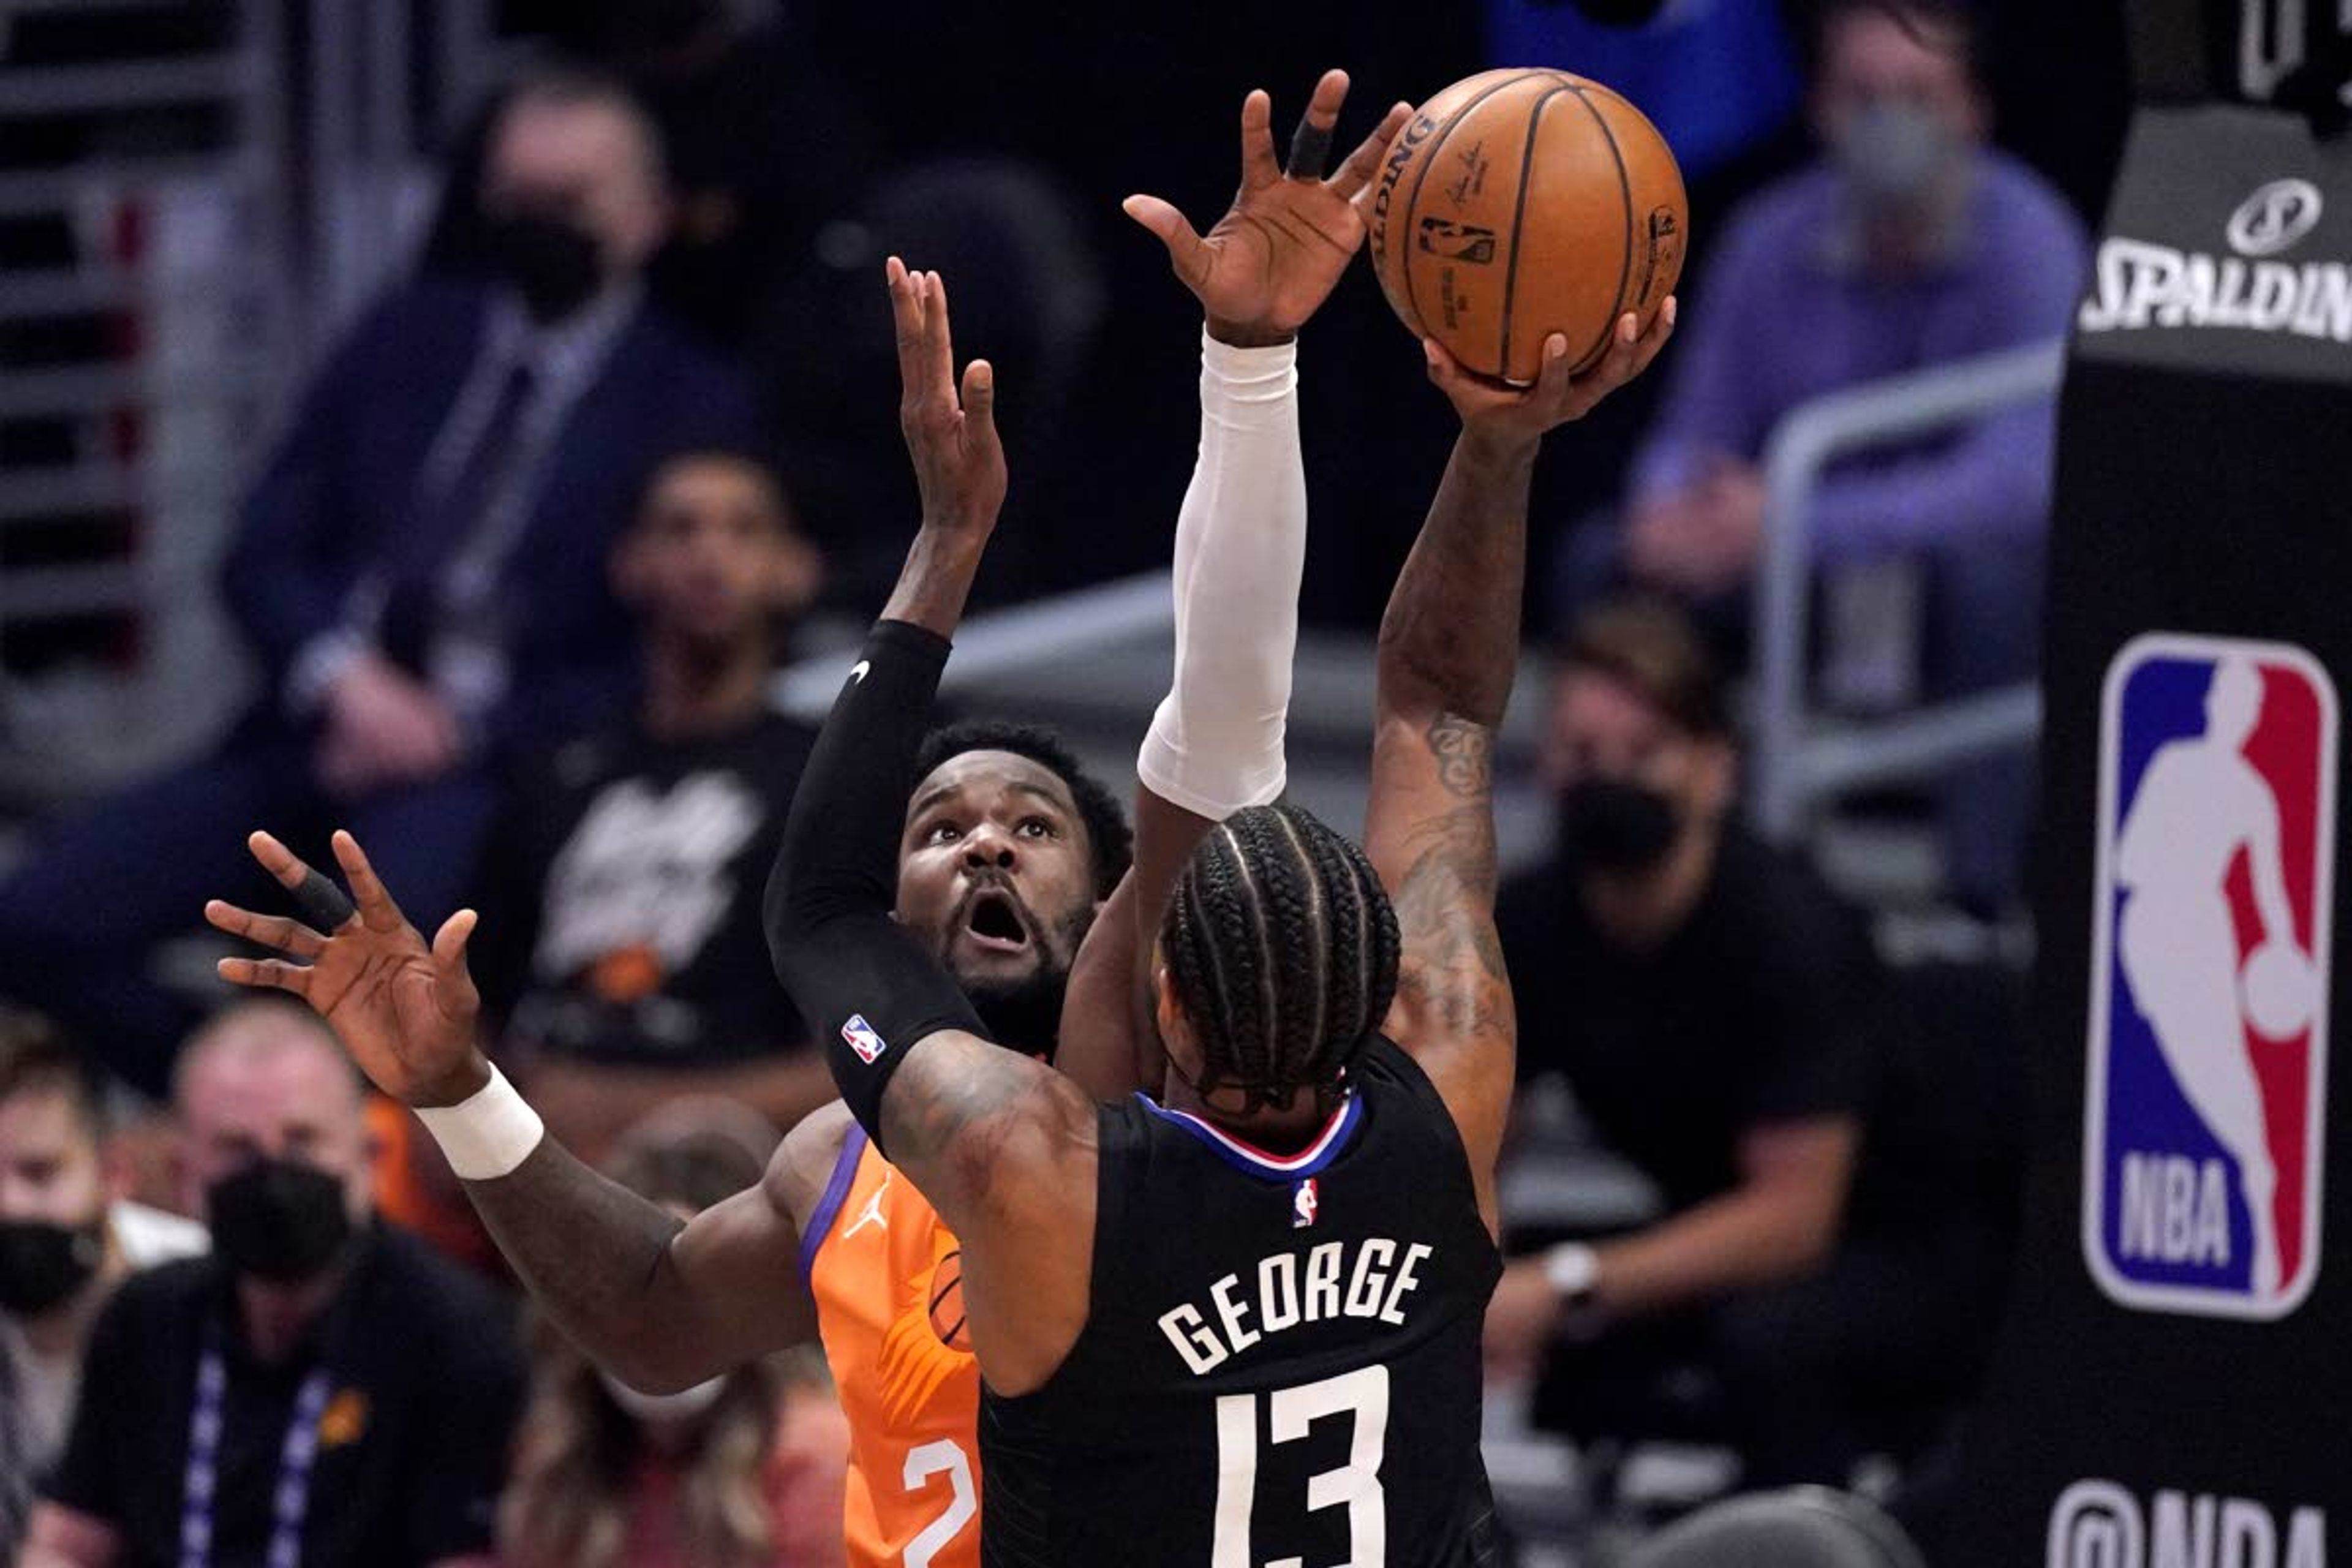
(874, 1255)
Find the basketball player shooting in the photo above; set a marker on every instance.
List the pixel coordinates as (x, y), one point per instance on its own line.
(832, 1241)
(1203, 1326)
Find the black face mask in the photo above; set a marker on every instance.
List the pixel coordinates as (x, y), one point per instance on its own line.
(552, 262)
(278, 1220)
(41, 1265)
(1611, 825)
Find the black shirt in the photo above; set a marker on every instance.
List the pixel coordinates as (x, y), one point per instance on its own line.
(1276, 1364)
(1763, 1008)
(621, 905)
(425, 1381)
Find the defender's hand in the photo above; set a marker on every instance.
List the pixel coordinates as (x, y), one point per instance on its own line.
(1509, 420)
(1274, 257)
(959, 460)
(407, 1012)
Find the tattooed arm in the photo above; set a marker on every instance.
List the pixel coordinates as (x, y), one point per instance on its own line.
(1449, 646)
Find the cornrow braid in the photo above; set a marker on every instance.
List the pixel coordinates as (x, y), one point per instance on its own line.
(1282, 948)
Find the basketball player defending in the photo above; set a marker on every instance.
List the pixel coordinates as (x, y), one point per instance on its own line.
(1205, 1328)
(832, 1241)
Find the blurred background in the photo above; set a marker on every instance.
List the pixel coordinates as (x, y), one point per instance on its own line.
(256, 254)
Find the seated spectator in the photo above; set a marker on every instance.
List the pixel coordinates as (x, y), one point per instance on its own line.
(1910, 244)
(68, 1237)
(320, 1389)
(422, 568)
(745, 1470)
(621, 946)
(1713, 1011)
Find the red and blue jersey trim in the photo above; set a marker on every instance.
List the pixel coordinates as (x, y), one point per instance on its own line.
(1250, 1159)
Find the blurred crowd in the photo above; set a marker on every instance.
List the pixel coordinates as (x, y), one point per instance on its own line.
(518, 573)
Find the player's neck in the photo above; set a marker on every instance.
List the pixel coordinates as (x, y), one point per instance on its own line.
(1277, 1128)
(1639, 910)
(697, 690)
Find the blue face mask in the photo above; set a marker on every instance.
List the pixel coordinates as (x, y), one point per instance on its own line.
(1891, 154)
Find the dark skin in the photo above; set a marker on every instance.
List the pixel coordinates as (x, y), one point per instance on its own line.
(1260, 274)
(1001, 1145)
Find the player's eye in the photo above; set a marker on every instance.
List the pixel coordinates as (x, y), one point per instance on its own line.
(942, 833)
(1038, 827)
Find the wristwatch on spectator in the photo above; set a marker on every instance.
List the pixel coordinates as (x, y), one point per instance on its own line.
(1573, 1271)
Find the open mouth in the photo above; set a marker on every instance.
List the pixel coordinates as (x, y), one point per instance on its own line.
(995, 922)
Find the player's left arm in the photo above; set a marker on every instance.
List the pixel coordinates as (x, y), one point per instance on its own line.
(1449, 646)
(1000, 1145)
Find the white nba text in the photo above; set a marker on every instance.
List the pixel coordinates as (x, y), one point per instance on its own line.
(2176, 1210)
(1296, 1288)
(2100, 1524)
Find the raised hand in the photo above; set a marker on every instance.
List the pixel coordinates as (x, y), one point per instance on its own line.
(1272, 260)
(950, 430)
(405, 1010)
(1509, 418)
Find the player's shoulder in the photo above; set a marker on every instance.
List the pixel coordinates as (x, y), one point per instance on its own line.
(802, 1166)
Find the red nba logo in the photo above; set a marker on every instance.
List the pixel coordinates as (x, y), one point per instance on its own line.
(2204, 1112)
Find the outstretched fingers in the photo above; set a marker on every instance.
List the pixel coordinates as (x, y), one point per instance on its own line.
(267, 975)
(377, 910)
(1310, 144)
(939, 341)
(1355, 176)
(1258, 167)
(980, 403)
(1187, 251)
(290, 937)
(906, 324)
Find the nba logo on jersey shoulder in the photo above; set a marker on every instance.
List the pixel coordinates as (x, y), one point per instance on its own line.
(861, 1039)
(2204, 1111)
(1305, 1197)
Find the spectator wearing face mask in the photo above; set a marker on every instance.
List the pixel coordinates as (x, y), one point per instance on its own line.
(1910, 243)
(745, 1470)
(68, 1237)
(1712, 1010)
(320, 1389)
(420, 567)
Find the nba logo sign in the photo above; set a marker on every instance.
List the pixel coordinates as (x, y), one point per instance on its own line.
(862, 1038)
(1305, 1199)
(2204, 1114)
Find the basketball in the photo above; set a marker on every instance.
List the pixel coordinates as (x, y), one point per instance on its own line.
(947, 1303)
(2278, 988)
(1520, 203)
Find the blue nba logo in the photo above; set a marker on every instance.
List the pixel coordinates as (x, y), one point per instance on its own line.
(2204, 1115)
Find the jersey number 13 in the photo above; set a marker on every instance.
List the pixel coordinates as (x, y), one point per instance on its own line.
(1361, 1395)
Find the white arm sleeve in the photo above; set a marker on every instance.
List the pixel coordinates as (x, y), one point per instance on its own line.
(1216, 743)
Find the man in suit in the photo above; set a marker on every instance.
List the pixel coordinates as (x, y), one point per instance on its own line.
(422, 569)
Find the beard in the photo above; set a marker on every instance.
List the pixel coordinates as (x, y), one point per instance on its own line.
(1025, 1014)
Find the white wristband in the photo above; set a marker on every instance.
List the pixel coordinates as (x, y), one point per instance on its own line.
(486, 1135)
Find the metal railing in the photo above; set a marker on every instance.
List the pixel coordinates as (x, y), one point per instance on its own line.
(1796, 761)
(1009, 641)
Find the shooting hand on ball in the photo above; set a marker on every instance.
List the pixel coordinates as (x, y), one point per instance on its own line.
(1273, 259)
(1509, 418)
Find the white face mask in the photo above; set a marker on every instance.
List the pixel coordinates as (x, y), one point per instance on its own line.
(656, 1409)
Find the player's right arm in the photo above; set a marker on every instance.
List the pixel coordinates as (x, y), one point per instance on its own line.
(662, 1304)
(1215, 744)
(1449, 646)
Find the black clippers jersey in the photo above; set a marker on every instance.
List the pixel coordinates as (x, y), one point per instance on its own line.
(1281, 1356)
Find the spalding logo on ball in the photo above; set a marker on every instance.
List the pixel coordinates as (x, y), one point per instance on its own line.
(1516, 203)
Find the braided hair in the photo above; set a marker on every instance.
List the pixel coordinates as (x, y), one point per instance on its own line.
(1282, 948)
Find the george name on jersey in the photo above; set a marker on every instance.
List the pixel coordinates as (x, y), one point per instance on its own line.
(1319, 1285)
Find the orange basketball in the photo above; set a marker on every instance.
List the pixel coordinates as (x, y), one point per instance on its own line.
(1520, 203)
(947, 1303)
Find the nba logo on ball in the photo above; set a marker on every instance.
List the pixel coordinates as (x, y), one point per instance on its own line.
(2204, 1115)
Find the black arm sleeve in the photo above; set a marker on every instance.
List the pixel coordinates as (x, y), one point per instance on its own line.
(869, 991)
